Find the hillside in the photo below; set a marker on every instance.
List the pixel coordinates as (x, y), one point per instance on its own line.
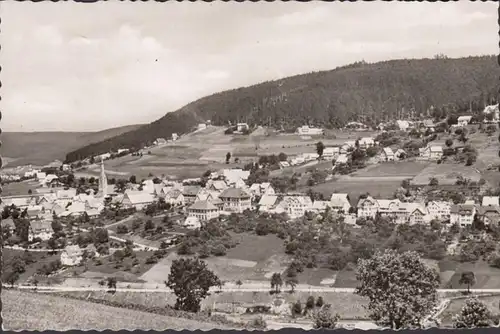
(361, 91)
(35, 311)
(40, 148)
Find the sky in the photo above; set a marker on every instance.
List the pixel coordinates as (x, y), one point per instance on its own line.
(87, 67)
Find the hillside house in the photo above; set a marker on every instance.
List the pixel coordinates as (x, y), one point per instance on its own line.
(72, 256)
(203, 210)
(267, 202)
(340, 203)
(295, 206)
(216, 185)
(259, 189)
(235, 200)
(192, 222)
(462, 214)
(490, 201)
(416, 214)
(431, 152)
(201, 126)
(342, 159)
(189, 193)
(137, 200)
(387, 154)
(367, 207)
(160, 141)
(309, 131)
(489, 215)
(319, 206)
(298, 160)
(174, 197)
(439, 210)
(366, 142)
(41, 176)
(174, 136)
(464, 120)
(284, 164)
(330, 153)
(40, 229)
(492, 109)
(240, 127)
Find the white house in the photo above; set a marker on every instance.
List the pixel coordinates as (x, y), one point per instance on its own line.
(431, 152)
(160, 141)
(174, 136)
(462, 214)
(203, 210)
(235, 200)
(330, 153)
(387, 154)
(366, 142)
(240, 127)
(267, 202)
(342, 159)
(367, 207)
(232, 175)
(439, 210)
(72, 255)
(202, 126)
(403, 125)
(490, 201)
(137, 200)
(40, 229)
(296, 206)
(320, 206)
(492, 109)
(464, 120)
(340, 202)
(306, 130)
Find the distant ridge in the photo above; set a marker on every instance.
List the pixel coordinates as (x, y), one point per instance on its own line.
(40, 148)
(359, 92)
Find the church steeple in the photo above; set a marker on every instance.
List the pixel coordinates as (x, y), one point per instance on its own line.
(103, 182)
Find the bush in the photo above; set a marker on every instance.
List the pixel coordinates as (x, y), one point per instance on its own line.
(122, 229)
(319, 302)
(219, 250)
(296, 308)
(310, 302)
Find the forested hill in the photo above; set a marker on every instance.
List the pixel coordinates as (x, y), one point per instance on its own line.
(357, 92)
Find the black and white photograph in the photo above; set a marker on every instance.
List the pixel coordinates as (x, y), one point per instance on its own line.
(249, 165)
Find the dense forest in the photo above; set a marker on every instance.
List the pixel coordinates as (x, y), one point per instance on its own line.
(364, 92)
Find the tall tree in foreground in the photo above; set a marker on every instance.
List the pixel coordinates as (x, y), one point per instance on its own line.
(228, 157)
(320, 147)
(468, 278)
(276, 282)
(190, 279)
(401, 288)
(473, 314)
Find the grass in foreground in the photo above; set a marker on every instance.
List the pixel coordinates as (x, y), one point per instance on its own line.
(33, 311)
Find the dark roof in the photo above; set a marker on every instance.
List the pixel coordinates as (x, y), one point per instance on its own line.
(191, 190)
(461, 208)
(203, 205)
(234, 193)
(482, 210)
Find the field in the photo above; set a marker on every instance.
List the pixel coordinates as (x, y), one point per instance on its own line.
(492, 302)
(446, 174)
(39, 258)
(33, 311)
(403, 168)
(255, 258)
(40, 148)
(348, 305)
(19, 188)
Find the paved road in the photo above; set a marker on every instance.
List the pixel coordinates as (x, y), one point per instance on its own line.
(224, 289)
(33, 249)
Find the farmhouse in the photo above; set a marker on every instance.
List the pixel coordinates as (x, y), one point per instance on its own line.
(464, 120)
(202, 126)
(439, 210)
(160, 141)
(267, 202)
(366, 142)
(387, 154)
(489, 215)
(306, 130)
(340, 203)
(137, 200)
(431, 152)
(40, 229)
(189, 193)
(174, 197)
(462, 214)
(319, 206)
(490, 201)
(284, 164)
(235, 200)
(174, 136)
(72, 255)
(367, 207)
(259, 189)
(203, 210)
(240, 127)
(342, 159)
(330, 153)
(295, 206)
(216, 185)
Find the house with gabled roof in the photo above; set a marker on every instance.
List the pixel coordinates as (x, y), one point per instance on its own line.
(367, 207)
(295, 206)
(235, 200)
(462, 214)
(72, 255)
(190, 193)
(388, 154)
(8, 224)
(340, 202)
(319, 206)
(439, 210)
(267, 202)
(192, 222)
(40, 229)
(203, 210)
(174, 197)
(490, 201)
(431, 152)
(216, 185)
(137, 200)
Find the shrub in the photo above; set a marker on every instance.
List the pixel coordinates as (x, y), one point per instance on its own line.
(296, 308)
(319, 302)
(310, 302)
(219, 250)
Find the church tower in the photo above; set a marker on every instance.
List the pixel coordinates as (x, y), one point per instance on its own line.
(103, 182)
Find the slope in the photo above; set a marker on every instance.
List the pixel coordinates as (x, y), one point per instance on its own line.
(40, 148)
(361, 91)
(35, 311)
